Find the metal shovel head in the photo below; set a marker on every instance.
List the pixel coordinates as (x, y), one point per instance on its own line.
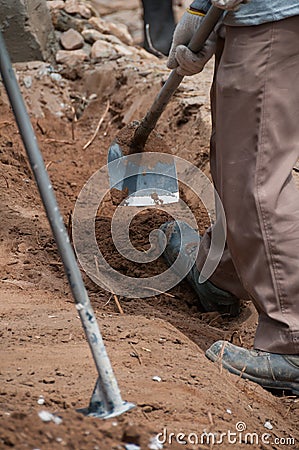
(147, 178)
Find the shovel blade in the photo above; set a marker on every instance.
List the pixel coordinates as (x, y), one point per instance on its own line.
(147, 178)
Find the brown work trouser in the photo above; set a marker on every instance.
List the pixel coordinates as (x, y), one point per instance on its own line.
(255, 103)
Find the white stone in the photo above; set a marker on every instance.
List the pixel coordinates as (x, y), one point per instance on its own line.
(156, 378)
(41, 400)
(108, 7)
(45, 416)
(27, 81)
(268, 425)
(155, 444)
(27, 30)
(55, 4)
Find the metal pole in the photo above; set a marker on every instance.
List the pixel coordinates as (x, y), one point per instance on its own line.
(107, 402)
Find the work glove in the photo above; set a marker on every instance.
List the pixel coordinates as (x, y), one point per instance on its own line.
(182, 35)
(191, 63)
(232, 5)
(187, 62)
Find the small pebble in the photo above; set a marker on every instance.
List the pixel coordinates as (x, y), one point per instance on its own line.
(268, 425)
(132, 447)
(27, 82)
(156, 378)
(41, 400)
(46, 416)
(155, 444)
(56, 76)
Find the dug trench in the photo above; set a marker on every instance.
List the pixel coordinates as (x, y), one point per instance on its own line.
(156, 344)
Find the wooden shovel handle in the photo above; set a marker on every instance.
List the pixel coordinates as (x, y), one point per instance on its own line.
(148, 123)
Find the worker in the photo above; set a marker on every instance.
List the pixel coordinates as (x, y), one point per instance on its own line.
(254, 146)
(158, 16)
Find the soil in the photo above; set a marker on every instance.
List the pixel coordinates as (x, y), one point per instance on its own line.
(156, 344)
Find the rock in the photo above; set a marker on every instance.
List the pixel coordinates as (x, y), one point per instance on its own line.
(62, 21)
(157, 378)
(28, 30)
(74, 7)
(123, 50)
(91, 36)
(55, 4)
(56, 77)
(40, 400)
(132, 447)
(9, 439)
(27, 81)
(120, 30)
(71, 57)
(102, 49)
(71, 40)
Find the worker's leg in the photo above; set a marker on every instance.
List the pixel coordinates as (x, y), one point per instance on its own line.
(225, 277)
(158, 15)
(257, 144)
(224, 295)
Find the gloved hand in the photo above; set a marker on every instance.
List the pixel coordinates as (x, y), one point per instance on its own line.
(191, 63)
(187, 62)
(232, 5)
(182, 35)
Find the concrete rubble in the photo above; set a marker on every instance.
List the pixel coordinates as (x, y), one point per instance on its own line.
(85, 35)
(67, 32)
